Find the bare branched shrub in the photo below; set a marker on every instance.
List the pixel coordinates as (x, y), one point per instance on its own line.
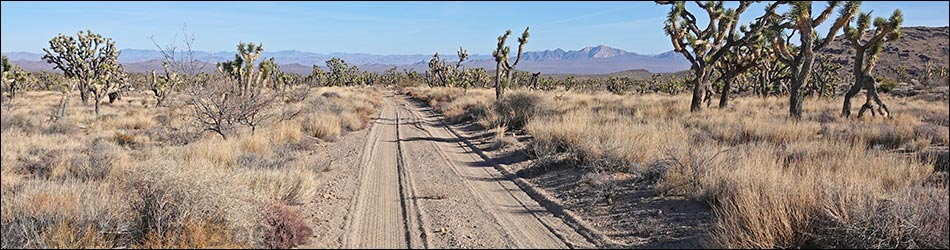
(603, 183)
(284, 228)
(220, 106)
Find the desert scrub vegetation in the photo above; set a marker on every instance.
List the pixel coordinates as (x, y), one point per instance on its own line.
(146, 176)
(772, 181)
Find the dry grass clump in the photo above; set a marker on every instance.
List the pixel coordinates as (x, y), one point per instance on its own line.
(325, 126)
(165, 196)
(288, 185)
(823, 181)
(458, 106)
(338, 110)
(64, 215)
(500, 140)
(145, 177)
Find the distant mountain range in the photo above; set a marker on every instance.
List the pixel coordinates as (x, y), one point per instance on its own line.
(917, 47)
(589, 60)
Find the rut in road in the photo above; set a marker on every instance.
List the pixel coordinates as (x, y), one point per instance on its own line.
(477, 205)
(378, 216)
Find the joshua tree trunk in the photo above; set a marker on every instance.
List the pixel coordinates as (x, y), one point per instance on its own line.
(499, 90)
(97, 107)
(699, 88)
(84, 93)
(795, 100)
(61, 111)
(853, 91)
(724, 99)
(872, 95)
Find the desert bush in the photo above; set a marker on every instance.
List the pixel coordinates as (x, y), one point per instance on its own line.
(915, 218)
(287, 185)
(886, 85)
(21, 121)
(94, 162)
(603, 183)
(221, 106)
(40, 162)
(772, 182)
(164, 197)
(284, 228)
(124, 139)
(65, 215)
(500, 140)
(516, 109)
(325, 126)
(65, 127)
(685, 169)
(933, 134)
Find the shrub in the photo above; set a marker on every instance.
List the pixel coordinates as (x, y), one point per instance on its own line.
(324, 126)
(284, 228)
(500, 140)
(289, 185)
(65, 127)
(94, 162)
(64, 215)
(516, 109)
(603, 183)
(886, 85)
(124, 139)
(165, 198)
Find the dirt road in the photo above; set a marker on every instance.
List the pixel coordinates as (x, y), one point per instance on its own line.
(419, 186)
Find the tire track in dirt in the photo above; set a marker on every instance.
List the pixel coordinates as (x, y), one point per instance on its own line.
(378, 216)
(411, 210)
(421, 187)
(523, 221)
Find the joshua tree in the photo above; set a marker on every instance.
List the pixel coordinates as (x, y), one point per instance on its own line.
(501, 59)
(703, 48)
(437, 69)
(800, 59)
(826, 76)
(866, 56)
(534, 80)
(736, 63)
(617, 85)
(242, 68)
(273, 77)
(91, 59)
(391, 77)
(317, 76)
(769, 73)
(83, 58)
(339, 74)
(15, 78)
(569, 83)
(162, 85)
(460, 76)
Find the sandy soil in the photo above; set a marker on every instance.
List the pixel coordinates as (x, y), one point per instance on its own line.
(637, 218)
(409, 182)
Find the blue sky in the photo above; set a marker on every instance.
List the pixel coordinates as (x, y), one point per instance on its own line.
(372, 27)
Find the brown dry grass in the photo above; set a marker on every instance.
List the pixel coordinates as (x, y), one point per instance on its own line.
(772, 182)
(144, 177)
